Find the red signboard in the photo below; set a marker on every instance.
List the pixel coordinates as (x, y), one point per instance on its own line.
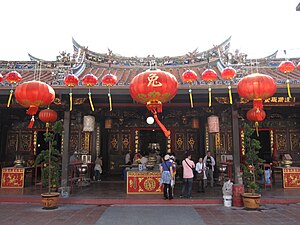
(143, 182)
(291, 177)
(12, 178)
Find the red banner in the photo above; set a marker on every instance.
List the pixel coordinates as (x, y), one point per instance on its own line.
(12, 178)
(291, 177)
(143, 182)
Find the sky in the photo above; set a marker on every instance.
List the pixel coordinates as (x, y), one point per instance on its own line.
(155, 27)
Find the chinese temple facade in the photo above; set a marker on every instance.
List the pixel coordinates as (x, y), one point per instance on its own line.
(124, 128)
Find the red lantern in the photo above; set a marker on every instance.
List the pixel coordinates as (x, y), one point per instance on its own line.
(209, 76)
(154, 87)
(71, 81)
(189, 76)
(256, 86)
(298, 66)
(48, 116)
(227, 74)
(34, 94)
(256, 115)
(287, 67)
(90, 80)
(12, 77)
(109, 80)
(1, 77)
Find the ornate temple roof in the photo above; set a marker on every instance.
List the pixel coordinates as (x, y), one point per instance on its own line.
(83, 61)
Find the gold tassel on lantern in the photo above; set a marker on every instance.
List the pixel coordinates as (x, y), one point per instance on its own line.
(230, 94)
(109, 99)
(288, 88)
(209, 97)
(71, 101)
(191, 98)
(10, 97)
(91, 102)
(256, 128)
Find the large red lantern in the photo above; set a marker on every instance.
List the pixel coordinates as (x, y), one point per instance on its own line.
(228, 73)
(32, 95)
(13, 78)
(209, 76)
(189, 76)
(154, 87)
(90, 80)
(287, 67)
(1, 77)
(71, 81)
(48, 116)
(256, 86)
(109, 80)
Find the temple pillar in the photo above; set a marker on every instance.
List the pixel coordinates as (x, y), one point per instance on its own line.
(66, 144)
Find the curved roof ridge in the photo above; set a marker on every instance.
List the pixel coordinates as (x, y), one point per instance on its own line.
(224, 46)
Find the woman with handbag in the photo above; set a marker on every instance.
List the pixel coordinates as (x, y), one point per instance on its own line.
(200, 176)
(166, 169)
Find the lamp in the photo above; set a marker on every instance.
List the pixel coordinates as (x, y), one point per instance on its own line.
(150, 120)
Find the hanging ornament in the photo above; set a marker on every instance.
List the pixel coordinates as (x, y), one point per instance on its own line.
(12, 78)
(228, 73)
(154, 87)
(32, 95)
(209, 76)
(1, 78)
(287, 67)
(298, 66)
(189, 76)
(71, 81)
(256, 115)
(48, 116)
(90, 80)
(109, 80)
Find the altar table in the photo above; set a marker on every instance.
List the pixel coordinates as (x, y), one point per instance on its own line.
(143, 182)
(12, 177)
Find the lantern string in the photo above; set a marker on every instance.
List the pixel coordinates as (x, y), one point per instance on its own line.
(91, 101)
(71, 99)
(109, 99)
(10, 97)
(191, 96)
(230, 94)
(209, 97)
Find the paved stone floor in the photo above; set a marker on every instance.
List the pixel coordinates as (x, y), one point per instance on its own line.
(33, 214)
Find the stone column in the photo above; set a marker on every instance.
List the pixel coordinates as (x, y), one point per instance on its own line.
(66, 145)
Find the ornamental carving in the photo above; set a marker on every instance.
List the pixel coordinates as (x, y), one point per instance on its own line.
(179, 142)
(294, 141)
(281, 142)
(125, 142)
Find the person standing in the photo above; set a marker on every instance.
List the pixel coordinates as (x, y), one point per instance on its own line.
(201, 176)
(98, 168)
(166, 176)
(188, 175)
(210, 164)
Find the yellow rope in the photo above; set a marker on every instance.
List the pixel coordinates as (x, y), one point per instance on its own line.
(110, 102)
(191, 98)
(9, 98)
(288, 88)
(256, 128)
(91, 102)
(230, 94)
(71, 101)
(209, 97)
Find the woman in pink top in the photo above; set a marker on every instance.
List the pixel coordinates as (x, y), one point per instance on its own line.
(188, 175)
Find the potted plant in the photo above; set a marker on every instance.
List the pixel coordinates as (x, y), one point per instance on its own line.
(50, 159)
(251, 168)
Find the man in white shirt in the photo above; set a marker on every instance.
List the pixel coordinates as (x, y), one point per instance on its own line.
(201, 176)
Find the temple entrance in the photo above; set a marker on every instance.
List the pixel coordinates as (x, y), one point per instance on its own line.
(265, 142)
(152, 140)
